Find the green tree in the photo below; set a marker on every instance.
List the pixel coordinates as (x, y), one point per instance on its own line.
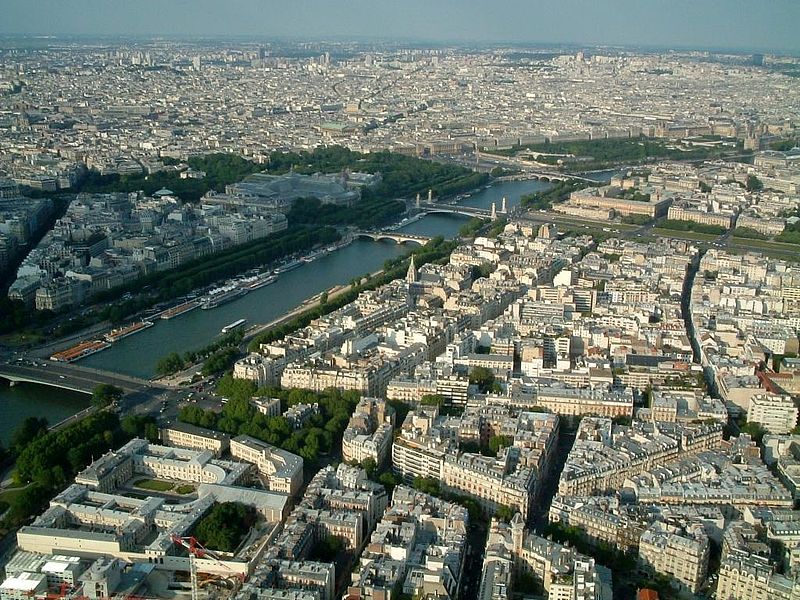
(369, 465)
(482, 377)
(32, 500)
(471, 227)
(484, 270)
(169, 364)
(140, 426)
(505, 513)
(753, 184)
(236, 389)
(220, 361)
(496, 442)
(26, 432)
(104, 395)
(432, 400)
(755, 431)
(389, 480)
(225, 525)
(52, 458)
(427, 485)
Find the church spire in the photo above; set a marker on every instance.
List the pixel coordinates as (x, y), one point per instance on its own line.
(411, 275)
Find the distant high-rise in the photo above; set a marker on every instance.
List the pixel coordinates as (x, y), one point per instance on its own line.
(196, 64)
(758, 60)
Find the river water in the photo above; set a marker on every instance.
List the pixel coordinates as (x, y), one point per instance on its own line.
(138, 354)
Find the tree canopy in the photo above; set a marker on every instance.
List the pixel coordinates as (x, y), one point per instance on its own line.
(26, 432)
(482, 377)
(54, 458)
(753, 184)
(224, 527)
(105, 394)
(320, 434)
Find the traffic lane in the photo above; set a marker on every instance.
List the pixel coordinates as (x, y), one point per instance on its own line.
(53, 372)
(53, 378)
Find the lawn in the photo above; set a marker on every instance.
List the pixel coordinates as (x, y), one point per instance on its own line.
(775, 250)
(10, 493)
(685, 235)
(154, 485)
(184, 489)
(766, 244)
(7, 497)
(16, 340)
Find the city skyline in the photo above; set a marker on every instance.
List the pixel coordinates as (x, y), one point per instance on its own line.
(351, 300)
(646, 23)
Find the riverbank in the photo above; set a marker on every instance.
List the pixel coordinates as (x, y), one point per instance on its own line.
(187, 373)
(335, 272)
(25, 400)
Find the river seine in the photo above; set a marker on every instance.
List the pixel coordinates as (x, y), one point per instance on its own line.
(138, 354)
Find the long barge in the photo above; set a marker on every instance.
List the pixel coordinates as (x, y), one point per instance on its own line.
(176, 311)
(257, 281)
(289, 266)
(235, 325)
(222, 295)
(80, 351)
(116, 335)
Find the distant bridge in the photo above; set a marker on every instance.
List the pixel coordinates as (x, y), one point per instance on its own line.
(529, 171)
(546, 176)
(400, 238)
(455, 209)
(68, 376)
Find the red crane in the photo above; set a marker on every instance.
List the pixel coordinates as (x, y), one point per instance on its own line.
(197, 550)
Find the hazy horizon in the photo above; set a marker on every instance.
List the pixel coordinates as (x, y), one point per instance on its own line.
(703, 24)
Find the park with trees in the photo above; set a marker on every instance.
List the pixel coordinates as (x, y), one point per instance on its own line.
(321, 434)
(588, 155)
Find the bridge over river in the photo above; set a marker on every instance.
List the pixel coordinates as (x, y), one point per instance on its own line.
(397, 236)
(68, 376)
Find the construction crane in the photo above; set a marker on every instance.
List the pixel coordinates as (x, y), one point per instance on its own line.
(63, 588)
(196, 550)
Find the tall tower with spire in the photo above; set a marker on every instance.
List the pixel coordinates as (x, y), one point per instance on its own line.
(517, 532)
(411, 275)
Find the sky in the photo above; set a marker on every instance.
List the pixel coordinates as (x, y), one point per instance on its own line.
(761, 25)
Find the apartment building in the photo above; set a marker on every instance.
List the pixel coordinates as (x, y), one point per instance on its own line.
(681, 554)
(775, 413)
(185, 435)
(369, 432)
(283, 470)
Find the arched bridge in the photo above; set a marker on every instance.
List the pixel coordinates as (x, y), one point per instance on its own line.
(399, 237)
(455, 209)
